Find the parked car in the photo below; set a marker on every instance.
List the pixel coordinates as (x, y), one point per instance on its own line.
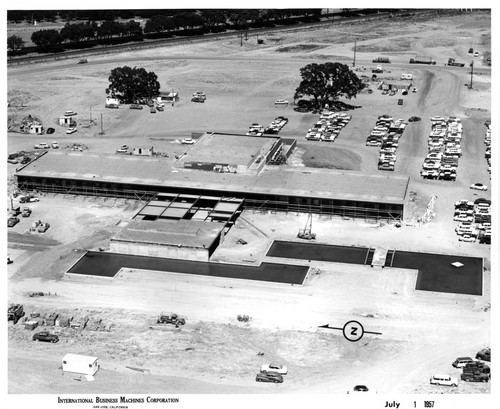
(69, 113)
(484, 355)
(475, 377)
(479, 186)
(136, 106)
(45, 336)
(445, 380)
(463, 218)
(281, 369)
(269, 377)
(462, 361)
(281, 102)
(55, 145)
(42, 145)
(12, 221)
(467, 238)
(414, 119)
(83, 61)
(26, 212)
(188, 141)
(50, 130)
(362, 389)
(71, 130)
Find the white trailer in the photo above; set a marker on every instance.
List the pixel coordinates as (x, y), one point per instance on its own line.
(81, 364)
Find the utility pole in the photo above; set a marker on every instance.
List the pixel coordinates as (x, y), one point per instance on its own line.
(471, 73)
(241, 38)
(101, 125)
(354, 61)
(90, 120)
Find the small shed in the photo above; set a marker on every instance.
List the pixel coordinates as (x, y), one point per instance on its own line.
(81, 364)
(110, 101)
(66, 120)
(143, 151)
(169, 96)
(36, 129)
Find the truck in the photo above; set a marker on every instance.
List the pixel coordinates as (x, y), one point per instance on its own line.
(12, 221)
(173, 319)
(453, 63)
(15, 312)
(378, 69)
(475, 377)
(385, 60)
(422, 60)
(26, 212)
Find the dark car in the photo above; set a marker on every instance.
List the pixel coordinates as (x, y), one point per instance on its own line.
(50, 130)
(269, 377)
(484, 355)
(135, 106)
(45, 336)
(414, 119)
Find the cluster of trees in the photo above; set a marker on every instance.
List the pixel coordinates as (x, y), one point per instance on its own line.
(101, 25)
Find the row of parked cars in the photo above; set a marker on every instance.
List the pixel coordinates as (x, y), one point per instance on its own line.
(444, 149)
(475, 220)
(328, 127)
(385, 135)
(472, 370)
(274, 127)
(487, 142)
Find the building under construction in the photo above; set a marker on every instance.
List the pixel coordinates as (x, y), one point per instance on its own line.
(244, 169)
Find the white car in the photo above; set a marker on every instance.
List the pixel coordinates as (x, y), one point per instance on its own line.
(70, 113)
(463, 218)
(281, 369)
(445, 380)
(71, 130)
(42, 145)
(187, 141)
(467, 238)
(479, 186)
(55, 145)
(281, 102)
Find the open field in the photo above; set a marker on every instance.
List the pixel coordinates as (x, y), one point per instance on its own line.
(422, 332)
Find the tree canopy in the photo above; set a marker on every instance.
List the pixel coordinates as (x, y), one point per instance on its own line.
(15, 43)
(328, 82)
(130, 84)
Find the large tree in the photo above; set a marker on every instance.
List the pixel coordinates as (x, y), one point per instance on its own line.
(130, 84)
(47, 38)
(15, 43)
(328, 82)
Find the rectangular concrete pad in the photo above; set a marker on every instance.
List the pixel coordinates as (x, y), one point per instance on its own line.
(108, 264)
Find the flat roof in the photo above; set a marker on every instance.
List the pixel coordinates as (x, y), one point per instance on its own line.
(283, 180)
(228, 149)
(186, 233)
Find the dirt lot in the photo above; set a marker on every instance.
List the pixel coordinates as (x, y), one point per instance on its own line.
(422, 333)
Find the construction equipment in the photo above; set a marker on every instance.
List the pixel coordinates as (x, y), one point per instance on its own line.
(171, 319)
(15, 312)
(306, 232)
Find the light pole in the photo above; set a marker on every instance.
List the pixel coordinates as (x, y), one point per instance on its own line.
(471, 73)
(354, 60)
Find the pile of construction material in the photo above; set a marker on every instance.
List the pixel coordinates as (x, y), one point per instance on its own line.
(444, 149)
(328, 128)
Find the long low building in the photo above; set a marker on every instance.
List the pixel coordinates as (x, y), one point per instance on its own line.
(277, 188)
